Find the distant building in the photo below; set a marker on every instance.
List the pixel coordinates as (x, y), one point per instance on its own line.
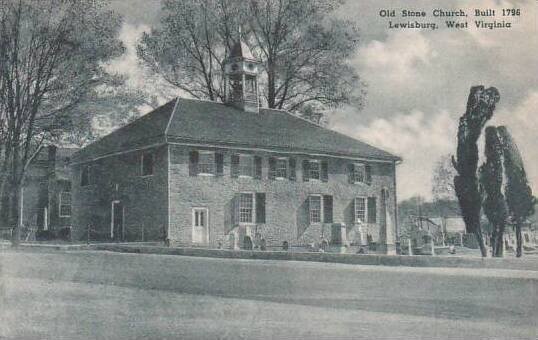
(200, 173)
(46, 193)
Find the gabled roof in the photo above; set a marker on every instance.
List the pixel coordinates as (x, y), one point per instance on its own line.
(190, 121)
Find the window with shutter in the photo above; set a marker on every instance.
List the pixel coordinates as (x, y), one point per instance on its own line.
(281, 168)
(358, 173)
(206, 163)
(260, 207)
(327, 209)
(246, 166)
(372, 210)
(246, 208)
(314, 169)
(258, 167)
(360, 210)
(314, 206)
(65, 204)
(234, 166)
(293, 171)
(219, 161)
(193, 163)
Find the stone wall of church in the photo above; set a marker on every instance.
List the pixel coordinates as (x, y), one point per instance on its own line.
(143, 199)
(286, 203)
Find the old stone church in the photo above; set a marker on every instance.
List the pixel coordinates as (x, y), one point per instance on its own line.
(201, 173)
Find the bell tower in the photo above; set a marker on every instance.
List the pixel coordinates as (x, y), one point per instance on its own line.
(241, 78)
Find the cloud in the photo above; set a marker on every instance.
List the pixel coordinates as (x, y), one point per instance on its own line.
(128, 64)
(396, 60)
(420, 138)
(137, 75)
(418, 83)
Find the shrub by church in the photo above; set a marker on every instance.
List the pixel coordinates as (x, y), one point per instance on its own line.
(201, 173)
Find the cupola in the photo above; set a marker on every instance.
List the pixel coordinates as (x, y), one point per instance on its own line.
(241, 78)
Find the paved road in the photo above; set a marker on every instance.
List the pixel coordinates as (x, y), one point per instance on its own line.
(101, 295)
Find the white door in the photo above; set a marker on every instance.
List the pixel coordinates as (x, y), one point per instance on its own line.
(200, 223)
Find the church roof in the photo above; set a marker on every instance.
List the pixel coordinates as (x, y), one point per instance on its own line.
(241, 50)
(190, 121)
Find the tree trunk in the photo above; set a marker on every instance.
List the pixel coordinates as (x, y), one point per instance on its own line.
(519, 240)
(497, 241)
(494, 241)
(14, 197)
(14, 216)
(271, 85)
(480, 240)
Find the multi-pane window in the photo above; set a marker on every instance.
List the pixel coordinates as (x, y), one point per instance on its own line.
(246, 165)
(315, 209)
(206, 163)
(281, 168)
(360, 210)
(246, 208)
(147, 163)
(250, 88)
(359, 173)
(85, 176)
(65, 204)
(314, 169)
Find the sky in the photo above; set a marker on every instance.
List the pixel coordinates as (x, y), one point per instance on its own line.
(417, 80)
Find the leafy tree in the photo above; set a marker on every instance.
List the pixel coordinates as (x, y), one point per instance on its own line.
(443, 180)
(519, 196)
(102, 110)
(491, 185)
(302, 47)
(480, 106)
(52, 54)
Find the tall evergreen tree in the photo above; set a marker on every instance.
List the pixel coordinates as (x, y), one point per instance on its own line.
(480, 107)
(491, 187)
(521, 202)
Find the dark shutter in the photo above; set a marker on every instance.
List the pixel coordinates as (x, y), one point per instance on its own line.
(306, 170)
(260, 207)
(85, 175)
(327, 209)
(372, 210)
(235, 209)
(368, 170)
(293, 171)
(193, 163)
(219, 161)
(257, 167)
(272, 168)
(234, 172)
(307, 209)
(351, 173)
(324, 171)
